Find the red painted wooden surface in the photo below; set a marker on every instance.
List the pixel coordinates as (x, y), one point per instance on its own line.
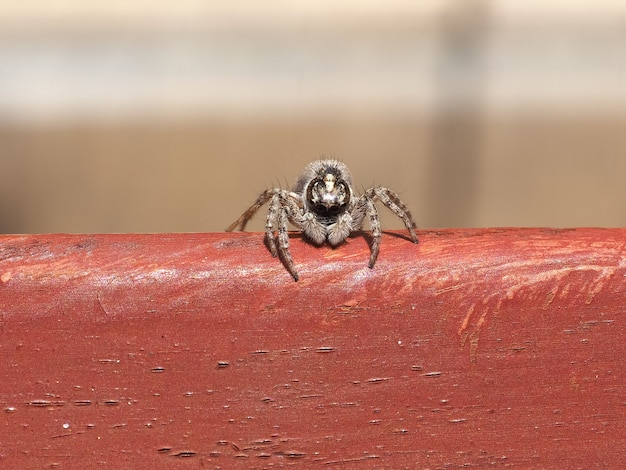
(474, 348)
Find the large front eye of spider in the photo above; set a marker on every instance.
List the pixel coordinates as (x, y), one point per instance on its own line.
(328, 195)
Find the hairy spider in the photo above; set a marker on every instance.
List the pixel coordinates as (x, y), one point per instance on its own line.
(324, 207)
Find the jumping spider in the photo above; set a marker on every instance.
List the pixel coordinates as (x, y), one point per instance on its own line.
(324, 206)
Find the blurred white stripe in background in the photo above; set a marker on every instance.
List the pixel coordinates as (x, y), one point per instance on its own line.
(70, 60)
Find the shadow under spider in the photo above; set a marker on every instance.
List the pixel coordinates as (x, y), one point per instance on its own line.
(370, 238)
(360, 233)
(364, 234)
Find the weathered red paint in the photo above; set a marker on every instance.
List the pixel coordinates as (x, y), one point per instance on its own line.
(473, 348)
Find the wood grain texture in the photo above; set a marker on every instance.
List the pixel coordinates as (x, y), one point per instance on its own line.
(475, 348)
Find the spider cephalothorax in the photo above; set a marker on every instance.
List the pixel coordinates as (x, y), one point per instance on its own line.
(324, 207)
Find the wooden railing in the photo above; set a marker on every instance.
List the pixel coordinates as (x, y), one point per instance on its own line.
(473, 348)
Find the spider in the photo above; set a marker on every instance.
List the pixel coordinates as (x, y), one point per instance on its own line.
(325, 208)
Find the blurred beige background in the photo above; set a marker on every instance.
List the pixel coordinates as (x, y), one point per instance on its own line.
(151, 116)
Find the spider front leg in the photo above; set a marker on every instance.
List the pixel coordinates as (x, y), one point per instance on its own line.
(283, 243)
(365, 207)
(282, 208)
(372, 213)
(272, 218)
(390, 199)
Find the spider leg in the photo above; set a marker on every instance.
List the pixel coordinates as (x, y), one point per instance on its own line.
(390, 199)
(272, 218)
(283, 241)
(365, 207)
(283, 207)
(247, 215)
(372, 213)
